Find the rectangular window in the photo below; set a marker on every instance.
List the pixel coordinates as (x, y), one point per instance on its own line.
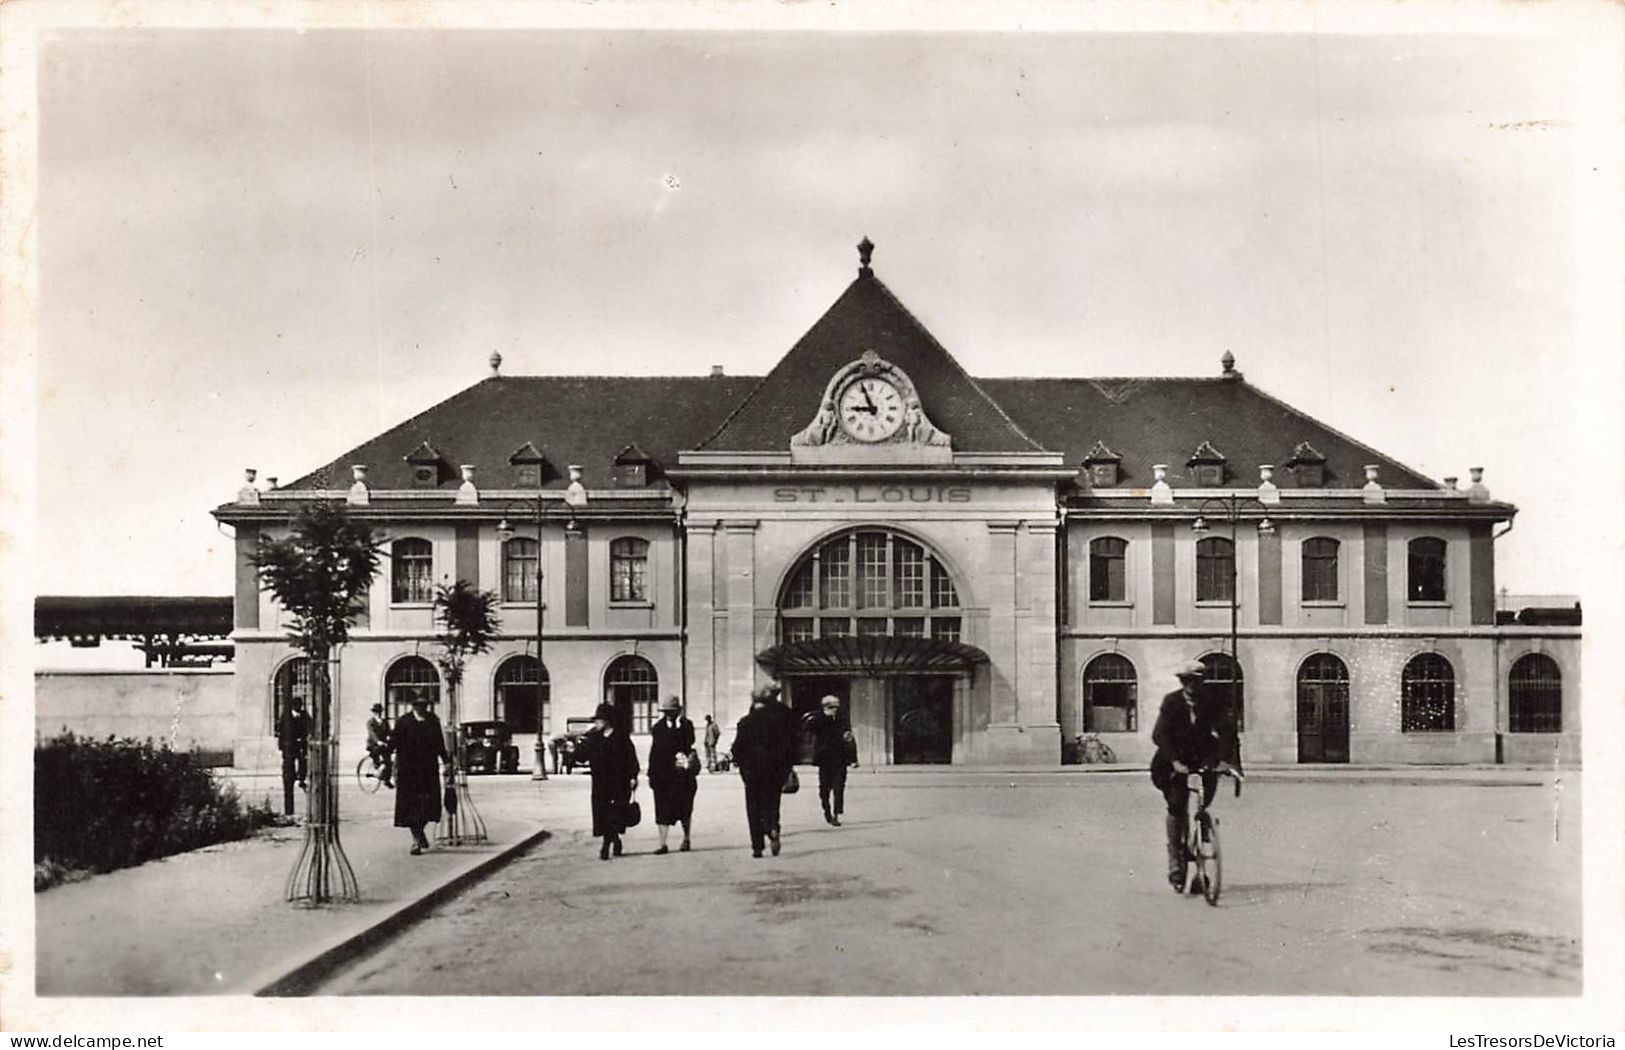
(1215, 570)
(1320, 570)
(628, 564)
(908, 574)
(412, 571)
(1426, 574)
(909, 627)
(520, 571)
(835, 576)
(872, 571)
(1107, 561)
(873, 626)
(945, 628)
(798, 628)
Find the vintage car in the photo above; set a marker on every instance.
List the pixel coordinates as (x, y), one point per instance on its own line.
(489, 748)
(568, 754)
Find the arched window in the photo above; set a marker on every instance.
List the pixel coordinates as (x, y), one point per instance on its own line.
(1110, 695)
(292, 682)
(1536, 704)
(408, 677)
(633, 687)
(1215, 569)
(516, 693)
(869, 582)
(411, 571)
(1320, 569)
(1108, 557)
(1223, 679)
(1428, 695)
(521, 570)
(628, 569)
(1425, 577)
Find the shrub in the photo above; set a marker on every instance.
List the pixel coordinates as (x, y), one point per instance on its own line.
(106, 804)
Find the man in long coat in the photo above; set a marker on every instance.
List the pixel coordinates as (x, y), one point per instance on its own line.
(764, 749)
(614, 770)
(832, 753)
(673, 770)
(1188, 735)
(419, 745)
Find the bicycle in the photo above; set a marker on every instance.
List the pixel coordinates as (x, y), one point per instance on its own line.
(369, 773)
(1202, 835)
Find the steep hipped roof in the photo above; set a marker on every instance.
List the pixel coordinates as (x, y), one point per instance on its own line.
(867, 317)
(572, 419)
(1150, 421)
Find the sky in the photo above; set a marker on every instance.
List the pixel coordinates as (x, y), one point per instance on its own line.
(260, 248)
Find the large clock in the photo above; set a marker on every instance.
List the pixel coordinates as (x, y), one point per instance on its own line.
(870, 409)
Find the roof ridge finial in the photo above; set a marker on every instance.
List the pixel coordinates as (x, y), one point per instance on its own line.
(866, 249)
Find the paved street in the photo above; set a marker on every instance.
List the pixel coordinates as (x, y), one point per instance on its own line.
(965, 882)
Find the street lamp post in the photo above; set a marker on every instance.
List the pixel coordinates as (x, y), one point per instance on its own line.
(506, 532)
(1231, 509)
(575, 496)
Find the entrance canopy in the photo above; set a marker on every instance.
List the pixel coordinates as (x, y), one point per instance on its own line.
(871, 655)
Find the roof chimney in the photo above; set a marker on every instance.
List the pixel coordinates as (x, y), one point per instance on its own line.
(716, 371)
(1477, 492)
(866, 249)
(248, 493)
(1228, 362)
(496, 363)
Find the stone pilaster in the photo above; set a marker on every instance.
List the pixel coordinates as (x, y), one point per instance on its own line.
(701, 687)
(738, 677)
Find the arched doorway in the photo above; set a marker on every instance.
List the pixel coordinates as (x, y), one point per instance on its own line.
(633, 687)
(873, 616)
(1323, 709)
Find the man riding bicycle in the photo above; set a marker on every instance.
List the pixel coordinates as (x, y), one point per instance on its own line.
(378, 745)
(1195, 733)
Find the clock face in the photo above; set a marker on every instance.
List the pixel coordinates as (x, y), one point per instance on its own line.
(870, 410)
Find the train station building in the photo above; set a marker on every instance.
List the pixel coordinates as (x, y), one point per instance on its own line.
(983, 568)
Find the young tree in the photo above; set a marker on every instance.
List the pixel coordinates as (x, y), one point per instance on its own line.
(468, 621)
(320, 574)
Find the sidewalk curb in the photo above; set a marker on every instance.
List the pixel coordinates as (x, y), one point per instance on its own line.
(302, 979)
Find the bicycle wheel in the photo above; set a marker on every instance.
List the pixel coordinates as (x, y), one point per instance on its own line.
(1207, 831)
(366, 774)
(1107, 755)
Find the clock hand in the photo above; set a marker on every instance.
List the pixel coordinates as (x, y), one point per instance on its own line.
(867, 399)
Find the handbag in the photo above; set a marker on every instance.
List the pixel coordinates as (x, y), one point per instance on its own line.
(688, 762)
(633, 814)
(792, 783)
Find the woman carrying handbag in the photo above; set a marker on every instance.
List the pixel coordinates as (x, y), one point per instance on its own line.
(673, 772)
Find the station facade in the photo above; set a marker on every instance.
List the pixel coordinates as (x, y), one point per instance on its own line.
(984, 569)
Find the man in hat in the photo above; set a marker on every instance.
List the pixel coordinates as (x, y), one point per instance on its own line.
(713, 734)
(764, 751)
(419, 746)
(673, 772)
(378, 744)
(1188, 737)
(832, 753)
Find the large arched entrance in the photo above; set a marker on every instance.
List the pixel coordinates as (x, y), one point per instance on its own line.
(873, 617)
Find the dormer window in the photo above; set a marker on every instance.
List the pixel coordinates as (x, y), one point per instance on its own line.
(630, 469)
(424, 463)
(1207, 466)
(527, 462)
(1101, 464)
(1308, 467)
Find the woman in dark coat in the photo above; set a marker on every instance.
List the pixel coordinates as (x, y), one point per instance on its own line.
(673, 771)
(764, 749)
(614, 777)
(419, 746)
